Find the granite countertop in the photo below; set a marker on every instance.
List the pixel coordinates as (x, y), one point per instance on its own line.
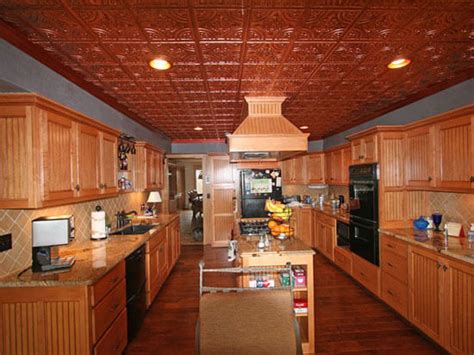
(248, 247)
(339, 214)
(93, 258)
(457, 248)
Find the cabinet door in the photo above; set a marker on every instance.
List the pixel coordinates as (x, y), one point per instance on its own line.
(162, 261)
(88, 168)
(337, 167)
(315, 168)
(287, 168)
(150, 169)
(58, 153)
(299, 171)
(419, 157)
(424, 291)
(459, 302)
(370, 149)
(357, 151)
(329, 236)
(455, 153)
(159, 170)
(303, 227)
(329, 166)
(223, 202)
(108, 163)
(346, 162)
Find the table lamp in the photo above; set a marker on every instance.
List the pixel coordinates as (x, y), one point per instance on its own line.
(154, 197)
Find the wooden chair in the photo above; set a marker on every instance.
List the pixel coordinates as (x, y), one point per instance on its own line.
(246, 321)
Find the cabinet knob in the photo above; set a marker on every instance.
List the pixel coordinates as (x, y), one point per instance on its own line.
(430, 178)
(77, 187)
(445, 268)
(361, 157)
(438, 265)
(472, 178)
(102, 186)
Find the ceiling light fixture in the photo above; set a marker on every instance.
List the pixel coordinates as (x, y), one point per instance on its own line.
(160, 62)
(198, 128)
(304, 127)
(399, 62)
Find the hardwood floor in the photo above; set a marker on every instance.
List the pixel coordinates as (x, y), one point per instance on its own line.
(348, 318)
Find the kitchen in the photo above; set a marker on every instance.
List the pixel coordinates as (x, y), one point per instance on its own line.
(301, 90)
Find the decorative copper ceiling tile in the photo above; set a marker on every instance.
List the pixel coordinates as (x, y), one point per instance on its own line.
(328, 56)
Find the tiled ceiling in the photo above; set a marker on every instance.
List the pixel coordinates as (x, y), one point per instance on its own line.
(328, 57)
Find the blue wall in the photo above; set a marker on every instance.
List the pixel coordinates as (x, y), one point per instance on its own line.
(17, 69)
(456, 96)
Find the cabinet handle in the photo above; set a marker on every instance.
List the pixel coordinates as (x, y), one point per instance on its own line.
(77, 187)
(389, 292)
(389, 264)
(438, 265)
(430, 178)
(361, 157)
(102, 186)
(390, 246)
(472, 178)
(445, 268)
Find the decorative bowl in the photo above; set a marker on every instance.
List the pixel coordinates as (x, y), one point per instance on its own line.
(420, 224)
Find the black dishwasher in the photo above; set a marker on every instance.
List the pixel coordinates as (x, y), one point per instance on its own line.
(136, 292)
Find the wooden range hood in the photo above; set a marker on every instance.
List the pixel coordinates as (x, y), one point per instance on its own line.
(265, 134)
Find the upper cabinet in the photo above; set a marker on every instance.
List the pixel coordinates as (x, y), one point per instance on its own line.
(148, 167)
(440, 153)
(315, 168)
(294, 171)
(52, 155)
(337, 161)
(420, 161)
(364, 149)
(455, 153)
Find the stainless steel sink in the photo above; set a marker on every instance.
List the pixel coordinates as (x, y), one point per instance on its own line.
(137, 229)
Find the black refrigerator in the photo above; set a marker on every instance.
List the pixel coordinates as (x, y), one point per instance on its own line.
(257, 185)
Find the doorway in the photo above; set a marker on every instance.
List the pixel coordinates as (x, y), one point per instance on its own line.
(186, 196)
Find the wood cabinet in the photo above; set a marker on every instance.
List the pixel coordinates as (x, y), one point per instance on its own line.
(455, 153)
(223, 202)
(343, 259)
(425, 291)
(52, 155)
(303, 223)
(366, 273)
(154, 169)
(419, 144)
(148, 168)
(294, 171)
(346, 162)
(315, 168)
(325, 234)
(162, 251)
(76, 320)
(337, 161)
(364, 150)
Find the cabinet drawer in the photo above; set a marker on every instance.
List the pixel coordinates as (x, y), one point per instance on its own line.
(115, 339)
(108, 282)
(108, 309)
(156, 238)
(343, 259)
(395, 293)
(331, 221)
(396, 246)
(366, 273)
(395, 265)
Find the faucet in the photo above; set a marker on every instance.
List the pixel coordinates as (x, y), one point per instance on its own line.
(123, 219)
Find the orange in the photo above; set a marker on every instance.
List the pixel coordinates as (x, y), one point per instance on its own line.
(276, 229)
(272, 224)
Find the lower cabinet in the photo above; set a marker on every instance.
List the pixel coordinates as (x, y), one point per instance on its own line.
(303, 224)
(162, 252)
(324, 238)
(366, 273)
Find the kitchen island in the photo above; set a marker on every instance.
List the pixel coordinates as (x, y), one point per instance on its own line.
(83, 310)
(279, 253)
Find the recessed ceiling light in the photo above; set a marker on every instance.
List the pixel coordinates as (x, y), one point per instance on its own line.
(304, 127)
(160, 62)
(399, 62)
(198, 128)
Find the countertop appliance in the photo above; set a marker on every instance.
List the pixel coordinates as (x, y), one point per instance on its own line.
(46, 233)
(136, 292)
(343, 234)
(364, 211)
(256, 185)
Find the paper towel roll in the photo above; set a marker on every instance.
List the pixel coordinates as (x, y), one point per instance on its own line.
(98, 225)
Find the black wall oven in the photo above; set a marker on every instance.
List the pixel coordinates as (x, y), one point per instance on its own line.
(364, 211)
(257, 185)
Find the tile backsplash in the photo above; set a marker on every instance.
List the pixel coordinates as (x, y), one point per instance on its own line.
(18, 222)
(455, 207)
(304, 190)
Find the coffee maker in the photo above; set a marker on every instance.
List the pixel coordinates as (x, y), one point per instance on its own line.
(48, 232)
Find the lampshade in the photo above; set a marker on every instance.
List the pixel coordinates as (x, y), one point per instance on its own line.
(154, 197)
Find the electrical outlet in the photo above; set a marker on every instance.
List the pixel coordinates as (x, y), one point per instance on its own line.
(5, 242)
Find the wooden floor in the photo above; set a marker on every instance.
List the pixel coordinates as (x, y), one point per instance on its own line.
(348, 318)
